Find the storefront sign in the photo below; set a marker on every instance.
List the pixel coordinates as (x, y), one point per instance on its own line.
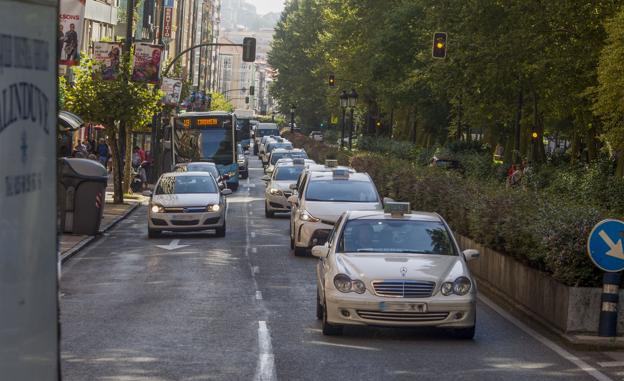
(28, 247)
(167, 21)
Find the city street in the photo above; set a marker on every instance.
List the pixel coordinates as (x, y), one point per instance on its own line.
(195, 307)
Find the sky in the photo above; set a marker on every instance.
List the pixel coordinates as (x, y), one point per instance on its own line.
(266, 6)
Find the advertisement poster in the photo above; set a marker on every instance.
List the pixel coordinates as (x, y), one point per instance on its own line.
(71, 21)
(28, 246)
(146, 63)
(172, 88)
(108, 54)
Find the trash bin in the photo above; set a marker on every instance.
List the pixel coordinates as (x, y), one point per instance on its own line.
(83, 184)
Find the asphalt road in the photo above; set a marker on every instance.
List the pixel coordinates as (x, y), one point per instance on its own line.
(242, 308)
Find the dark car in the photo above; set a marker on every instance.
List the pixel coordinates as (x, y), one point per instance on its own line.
(243, 164)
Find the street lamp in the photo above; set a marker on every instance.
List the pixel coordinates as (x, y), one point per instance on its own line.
(344, 102)
(292, 118)
(352, 99)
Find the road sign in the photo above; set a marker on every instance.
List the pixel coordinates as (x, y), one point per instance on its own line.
(604, 245)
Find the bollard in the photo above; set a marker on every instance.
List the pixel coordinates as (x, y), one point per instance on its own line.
(609, 304)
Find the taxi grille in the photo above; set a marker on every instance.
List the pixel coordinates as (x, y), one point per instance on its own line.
(414, 317)
(404, 288)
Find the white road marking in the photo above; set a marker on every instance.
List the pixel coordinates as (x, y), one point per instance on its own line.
(343, 345)
(258, 295)
(611, 364)
(172, 245)
(265, 370)
(546, 342)
(254, 250)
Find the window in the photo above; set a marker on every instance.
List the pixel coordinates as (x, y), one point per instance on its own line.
(341, 191)
(186, 185)
(287, 173)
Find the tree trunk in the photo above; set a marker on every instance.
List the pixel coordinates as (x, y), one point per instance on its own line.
(517, 126)
(619, 169)
(575, 147)
(459, 118)
(127, 162)
(590, 138)
(116, 156)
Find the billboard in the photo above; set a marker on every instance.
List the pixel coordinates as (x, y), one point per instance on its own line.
(172, 88)
(28, 245)
(108, 54)
(71, 21)
(146, 63)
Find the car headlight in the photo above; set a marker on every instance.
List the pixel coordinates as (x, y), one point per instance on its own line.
(213, 208)
(241, 161)
(157, 209)
(342, 283)
(447, 288)
(305, 216)
(358, 286)
(462, 285)
(274, 191)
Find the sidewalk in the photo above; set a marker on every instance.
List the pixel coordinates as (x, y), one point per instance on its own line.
(70, 244)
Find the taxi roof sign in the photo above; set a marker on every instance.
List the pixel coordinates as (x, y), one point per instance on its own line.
(331, 163)
(340, 173)
(397, 209)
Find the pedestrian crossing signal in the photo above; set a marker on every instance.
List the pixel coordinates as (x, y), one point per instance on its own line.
(439, 45)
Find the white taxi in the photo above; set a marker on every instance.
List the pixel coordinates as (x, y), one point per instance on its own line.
(398, 269)
(322, 196)
(278, 186)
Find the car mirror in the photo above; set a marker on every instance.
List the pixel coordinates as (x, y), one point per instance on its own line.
(147, 193)
(293, 200)
(471, 254)
(226, 192)
(265, 178)
(292, 186)
(320, 251)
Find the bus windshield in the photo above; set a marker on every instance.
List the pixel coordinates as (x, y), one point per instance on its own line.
(204, 138)
(243, 129)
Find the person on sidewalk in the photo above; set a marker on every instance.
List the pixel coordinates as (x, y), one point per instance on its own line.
(103, 152)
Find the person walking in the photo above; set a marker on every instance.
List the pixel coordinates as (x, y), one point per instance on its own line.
(103, 152)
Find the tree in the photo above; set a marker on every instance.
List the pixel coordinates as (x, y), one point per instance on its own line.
(112, 103)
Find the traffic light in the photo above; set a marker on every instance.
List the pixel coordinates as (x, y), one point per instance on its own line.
(246, 99)
(249, 49)
(332, 80)
(378, 124)
(439, 45)
(252, 89)
(534, 135)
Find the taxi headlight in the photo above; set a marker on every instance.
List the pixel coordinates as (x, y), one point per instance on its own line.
(213, 208)
(461, 286)
(447, 288)
(274, 191)
(342, 283)
(358, 286)
(305, 216)
(157, 209)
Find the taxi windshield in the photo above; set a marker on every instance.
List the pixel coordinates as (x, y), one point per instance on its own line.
(185, 185)
(341, 191)
(288, 173)
(210, 168)
(396, 236)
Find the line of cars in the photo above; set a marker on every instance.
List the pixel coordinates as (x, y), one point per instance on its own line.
(381, 264)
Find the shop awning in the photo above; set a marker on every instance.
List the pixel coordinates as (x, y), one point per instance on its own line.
(68, 121)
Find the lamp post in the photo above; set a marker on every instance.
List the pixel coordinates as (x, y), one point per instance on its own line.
(352, 99)
(292, 118)
(273, 116)
(344, 101)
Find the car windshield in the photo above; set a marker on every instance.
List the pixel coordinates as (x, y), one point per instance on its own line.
(288, 173)
(292, 155)
(341, 191)
(273, 146)
(203, 168)
(396, 236)
(185, 185)
(266, 131)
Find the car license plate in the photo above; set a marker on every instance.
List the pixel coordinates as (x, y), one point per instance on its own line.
(402, 307)
(183, 217)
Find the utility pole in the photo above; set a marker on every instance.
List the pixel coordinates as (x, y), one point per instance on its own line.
(122, 126)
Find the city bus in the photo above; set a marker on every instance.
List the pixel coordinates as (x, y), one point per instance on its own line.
(207, 136)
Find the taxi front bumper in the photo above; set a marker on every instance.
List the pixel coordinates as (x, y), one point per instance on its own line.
(181, 222)
(367, 309)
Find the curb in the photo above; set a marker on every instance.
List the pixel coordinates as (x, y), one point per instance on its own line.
(85, 242)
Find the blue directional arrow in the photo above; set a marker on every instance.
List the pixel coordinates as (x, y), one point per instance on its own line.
(605, 247)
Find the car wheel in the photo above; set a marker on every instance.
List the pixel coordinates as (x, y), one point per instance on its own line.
(220, 232)
(319, 306)
(267, 212)
(151, 233)
(330, 329)
(464, 333)
(292, 243)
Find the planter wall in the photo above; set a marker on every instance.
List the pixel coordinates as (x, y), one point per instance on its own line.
(568, 309)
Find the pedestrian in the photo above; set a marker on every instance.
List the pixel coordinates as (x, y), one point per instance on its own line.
(103, 152)
(515, 176)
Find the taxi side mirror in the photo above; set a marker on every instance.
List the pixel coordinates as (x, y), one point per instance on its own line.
(320, 251)
(293, 200)
(226, 192)
(471, 254)
(147, 193)
(292, 186)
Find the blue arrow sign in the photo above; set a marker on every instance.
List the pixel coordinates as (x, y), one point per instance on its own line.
(604, 245)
